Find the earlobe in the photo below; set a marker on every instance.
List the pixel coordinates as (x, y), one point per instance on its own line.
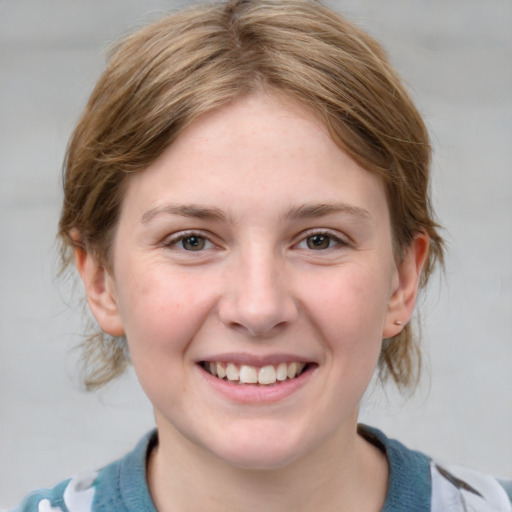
(99, 290)
(403, 298)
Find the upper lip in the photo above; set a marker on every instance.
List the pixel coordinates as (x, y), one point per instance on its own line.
(255, 360)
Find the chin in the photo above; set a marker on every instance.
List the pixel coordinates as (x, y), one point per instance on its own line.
(259, 461)
(259, 454)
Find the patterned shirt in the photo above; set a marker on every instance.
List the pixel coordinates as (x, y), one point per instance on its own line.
(416, 484)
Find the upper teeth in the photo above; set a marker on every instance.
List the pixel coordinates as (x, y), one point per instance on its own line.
(247, 374)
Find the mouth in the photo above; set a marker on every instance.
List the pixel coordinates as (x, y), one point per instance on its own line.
(268, 375)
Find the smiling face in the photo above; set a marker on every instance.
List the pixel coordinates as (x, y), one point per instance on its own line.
(253, 275)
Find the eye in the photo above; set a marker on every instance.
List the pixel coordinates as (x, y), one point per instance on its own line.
(320, 242)
(192, 242)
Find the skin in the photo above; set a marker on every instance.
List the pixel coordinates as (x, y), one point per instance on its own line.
(255, 182)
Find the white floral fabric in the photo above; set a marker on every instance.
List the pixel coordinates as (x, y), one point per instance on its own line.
(458, 489)
(78, 495)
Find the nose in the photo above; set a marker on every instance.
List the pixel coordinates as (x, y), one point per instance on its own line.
(258, 298)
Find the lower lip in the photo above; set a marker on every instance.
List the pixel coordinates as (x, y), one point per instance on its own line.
(256, 393)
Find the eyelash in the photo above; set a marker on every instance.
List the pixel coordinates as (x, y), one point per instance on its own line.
(203, 241)
(182, 237)
(325, 235)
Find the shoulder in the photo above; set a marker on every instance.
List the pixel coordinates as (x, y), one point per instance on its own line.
(459, 488)
(73, 495)
(118, 486)
(418, 483)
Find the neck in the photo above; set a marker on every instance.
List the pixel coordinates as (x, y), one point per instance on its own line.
(345, 473)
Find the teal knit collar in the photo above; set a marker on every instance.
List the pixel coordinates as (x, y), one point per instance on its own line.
(409, 486)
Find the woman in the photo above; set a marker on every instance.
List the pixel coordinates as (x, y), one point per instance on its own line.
(246, 200)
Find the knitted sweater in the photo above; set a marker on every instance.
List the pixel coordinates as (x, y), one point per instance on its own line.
(416, 484)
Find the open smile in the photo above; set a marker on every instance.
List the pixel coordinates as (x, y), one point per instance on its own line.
(267, 375)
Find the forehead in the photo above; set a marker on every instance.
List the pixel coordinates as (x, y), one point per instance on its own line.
(262, 149)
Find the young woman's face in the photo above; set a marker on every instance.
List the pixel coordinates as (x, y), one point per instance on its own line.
(254, 247)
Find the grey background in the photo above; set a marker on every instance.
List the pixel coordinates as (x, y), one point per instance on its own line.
(455, 55)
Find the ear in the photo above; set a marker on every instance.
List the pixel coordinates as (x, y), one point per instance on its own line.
(99, 289)
(405, 289)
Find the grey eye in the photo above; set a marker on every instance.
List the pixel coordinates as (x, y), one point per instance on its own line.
(193, 243)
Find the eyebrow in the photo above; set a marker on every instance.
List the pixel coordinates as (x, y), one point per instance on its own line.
(305, 211)
(187, 210)
(310, 211)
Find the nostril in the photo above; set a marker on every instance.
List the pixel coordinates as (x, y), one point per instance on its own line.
(258, 305)
(258, 325)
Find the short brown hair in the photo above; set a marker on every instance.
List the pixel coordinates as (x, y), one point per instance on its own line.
(163, 77)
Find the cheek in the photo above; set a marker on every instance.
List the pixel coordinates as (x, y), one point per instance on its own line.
(352, 302)
(350, 312)
(161, 312)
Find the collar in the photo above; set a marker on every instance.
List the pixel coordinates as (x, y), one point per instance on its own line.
(409, 486)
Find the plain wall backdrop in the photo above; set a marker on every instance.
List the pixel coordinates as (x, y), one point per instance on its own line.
(455, 56)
